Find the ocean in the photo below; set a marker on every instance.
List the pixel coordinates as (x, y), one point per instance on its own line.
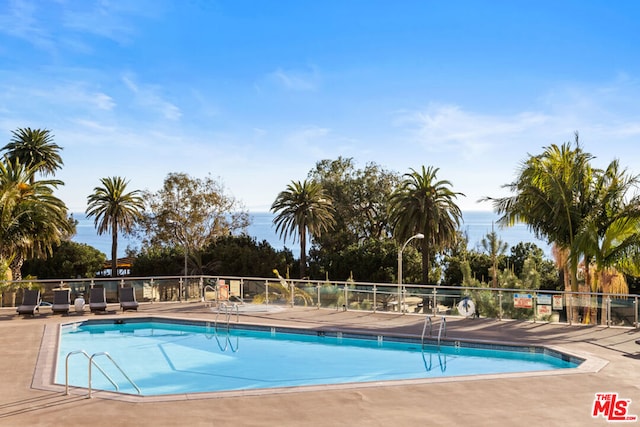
(475, 223)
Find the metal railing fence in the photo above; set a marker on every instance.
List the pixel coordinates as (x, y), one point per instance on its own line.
(534, 305)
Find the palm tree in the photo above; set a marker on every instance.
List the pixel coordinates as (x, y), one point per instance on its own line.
(609, 239)
(495, 247)
(32, 219)
(303, 207)
(553, 195)
(422, 204)
(114, 210)
(35, 149)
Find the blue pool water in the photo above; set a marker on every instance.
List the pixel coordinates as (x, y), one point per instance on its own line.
(171, 358)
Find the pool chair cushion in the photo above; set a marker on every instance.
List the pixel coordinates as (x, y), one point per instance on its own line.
(128, 299)
(30, 302)
(61, 301)
(97, 300)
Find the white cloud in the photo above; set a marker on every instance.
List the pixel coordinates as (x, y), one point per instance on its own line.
(20, 20)
(480, 151)
(296, 80)
(309, 140)
(445, 128)
(147, 97)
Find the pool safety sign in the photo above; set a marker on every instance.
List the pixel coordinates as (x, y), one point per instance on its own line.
(544, 305)
(557, 302)
(223, 290)
(523, 300)
(544, 299)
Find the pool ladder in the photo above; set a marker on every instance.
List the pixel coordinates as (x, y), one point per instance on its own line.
(442, 330)
(227, 338)
(91, 364)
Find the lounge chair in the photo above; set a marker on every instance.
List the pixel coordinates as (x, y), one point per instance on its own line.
(61, 301)
(97, 300)
(128, 299)
(30, 302)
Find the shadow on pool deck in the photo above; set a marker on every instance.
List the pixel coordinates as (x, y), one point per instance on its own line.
(565, 400)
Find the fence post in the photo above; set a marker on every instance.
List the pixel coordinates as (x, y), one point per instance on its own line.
(434, 303)
(569, 308)
(346, 297)
(499, 305)
(375, 304)
(292, 288)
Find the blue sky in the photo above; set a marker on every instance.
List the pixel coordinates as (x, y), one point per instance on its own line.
(254, 93)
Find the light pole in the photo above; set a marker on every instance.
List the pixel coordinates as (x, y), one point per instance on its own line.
(182, 236)
(400, 250)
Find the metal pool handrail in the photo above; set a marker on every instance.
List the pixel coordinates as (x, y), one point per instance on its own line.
(443, 328)
(427, 320)
(227, 313)
(66, 370)
(442, 331)
(204, 295)
(93, 363)
(104, 353)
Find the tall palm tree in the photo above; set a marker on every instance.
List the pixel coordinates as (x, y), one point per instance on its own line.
(495, 247)
(35, 149)
(32, 219)
(304, 207)
(422, 204)
(114, 210)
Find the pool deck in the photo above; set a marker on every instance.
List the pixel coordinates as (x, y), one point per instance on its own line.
(532, 400)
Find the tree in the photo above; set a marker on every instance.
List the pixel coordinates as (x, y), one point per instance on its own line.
(303, 208)
(371, 260)
(529, 253)
(496, 248)
(552, 195)
(584, 211)
(192, 213)
(35, 149)
(69, 260)
(157, 261)
(114, 210)
(422, 204)
(244, 256)
(610, 233)
(454, 258)
(32, 219)
(609, 239)
(360, 201)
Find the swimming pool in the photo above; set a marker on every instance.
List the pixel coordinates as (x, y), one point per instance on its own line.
(169, 357)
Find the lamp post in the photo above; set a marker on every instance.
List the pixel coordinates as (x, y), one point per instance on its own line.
(180, 234)
(400, 250)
